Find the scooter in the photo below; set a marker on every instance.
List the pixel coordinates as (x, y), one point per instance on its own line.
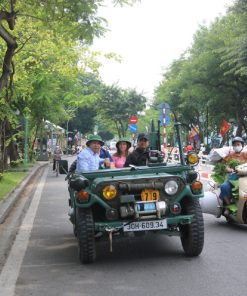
(237, 211)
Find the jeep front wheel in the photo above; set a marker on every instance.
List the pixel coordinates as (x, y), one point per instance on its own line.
(192, 235)
(85, 235)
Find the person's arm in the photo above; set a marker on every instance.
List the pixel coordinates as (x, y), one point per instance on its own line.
(73, 166)
(109, 156)
(128, 160)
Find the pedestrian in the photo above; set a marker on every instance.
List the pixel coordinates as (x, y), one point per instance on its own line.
(57, 156)
(140, 155)
(119, 158)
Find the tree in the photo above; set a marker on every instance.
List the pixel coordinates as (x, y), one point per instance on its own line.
(117, 105)
(64, 27)
(207, 78)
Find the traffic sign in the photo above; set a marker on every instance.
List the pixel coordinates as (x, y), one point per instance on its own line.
(133, 128)
(133, 120)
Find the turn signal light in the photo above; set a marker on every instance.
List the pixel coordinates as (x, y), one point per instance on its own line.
(196, 186)
(83, 196)
(109, 192)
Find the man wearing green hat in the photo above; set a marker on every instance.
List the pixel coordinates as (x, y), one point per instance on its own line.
(89, 158)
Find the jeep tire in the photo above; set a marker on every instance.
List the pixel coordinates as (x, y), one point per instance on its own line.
(85, 235)
(192, 235)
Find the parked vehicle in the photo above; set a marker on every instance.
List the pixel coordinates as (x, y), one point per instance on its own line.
(160, 198)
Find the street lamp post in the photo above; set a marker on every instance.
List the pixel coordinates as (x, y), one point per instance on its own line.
(67, 144)
(26, 142)
(207, 125)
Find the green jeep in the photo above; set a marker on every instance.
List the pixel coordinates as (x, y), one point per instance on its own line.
(161, 197)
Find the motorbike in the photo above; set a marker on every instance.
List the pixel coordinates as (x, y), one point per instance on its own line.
(237, 210)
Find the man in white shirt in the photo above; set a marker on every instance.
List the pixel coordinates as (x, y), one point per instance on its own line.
(89, 158)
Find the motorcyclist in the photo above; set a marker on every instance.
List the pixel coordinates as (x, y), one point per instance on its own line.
(57, 155)
(233, 173)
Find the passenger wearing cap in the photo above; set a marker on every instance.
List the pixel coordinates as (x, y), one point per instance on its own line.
(89, 158)
(140, 155)
(119, 158)
(233, 173)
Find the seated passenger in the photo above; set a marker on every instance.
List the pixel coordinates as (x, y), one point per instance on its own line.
(120, 156)
(89, 158)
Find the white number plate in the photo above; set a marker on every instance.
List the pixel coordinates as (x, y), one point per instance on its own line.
(146, 225)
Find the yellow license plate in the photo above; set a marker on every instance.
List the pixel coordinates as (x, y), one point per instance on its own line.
(149, 194)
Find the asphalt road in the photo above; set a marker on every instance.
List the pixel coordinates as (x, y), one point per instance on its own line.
(44, 260)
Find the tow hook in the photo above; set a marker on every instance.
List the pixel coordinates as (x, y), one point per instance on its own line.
(110, 230)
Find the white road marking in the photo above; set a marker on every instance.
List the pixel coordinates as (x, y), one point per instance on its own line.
(11, 269)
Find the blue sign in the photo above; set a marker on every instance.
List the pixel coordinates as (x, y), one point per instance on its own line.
(133, 128)
(165, 114)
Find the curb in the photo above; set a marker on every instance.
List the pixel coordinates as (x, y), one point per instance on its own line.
(11, 198)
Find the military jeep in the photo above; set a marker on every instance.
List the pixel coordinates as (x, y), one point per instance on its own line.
(160, 197)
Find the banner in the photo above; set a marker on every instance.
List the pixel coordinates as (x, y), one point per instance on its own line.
(194, 134)
(225, 126)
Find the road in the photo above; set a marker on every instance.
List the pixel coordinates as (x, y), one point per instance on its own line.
(44, 261)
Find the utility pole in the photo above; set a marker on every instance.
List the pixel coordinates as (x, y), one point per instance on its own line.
(26, 132)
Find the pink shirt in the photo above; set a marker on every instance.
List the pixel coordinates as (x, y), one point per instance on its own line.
(119, 161)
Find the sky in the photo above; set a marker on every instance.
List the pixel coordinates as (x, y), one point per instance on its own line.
(149, 36)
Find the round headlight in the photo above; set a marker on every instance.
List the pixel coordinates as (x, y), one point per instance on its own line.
(109, 192)
(171, 187)
(192, 158)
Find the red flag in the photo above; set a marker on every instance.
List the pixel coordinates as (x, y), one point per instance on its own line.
(225, 126)
(194, 134)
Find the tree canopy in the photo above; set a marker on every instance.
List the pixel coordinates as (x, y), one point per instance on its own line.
(211, 75)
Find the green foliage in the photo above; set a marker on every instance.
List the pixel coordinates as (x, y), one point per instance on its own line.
(219, 173)
(117, 105)
(15, 164)
(232, 163)
(9, 181)
(210, 76)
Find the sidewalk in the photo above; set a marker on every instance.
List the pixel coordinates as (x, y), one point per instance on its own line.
(12, 197)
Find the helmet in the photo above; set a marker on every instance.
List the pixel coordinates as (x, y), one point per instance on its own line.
(238, 139)
(124, 139)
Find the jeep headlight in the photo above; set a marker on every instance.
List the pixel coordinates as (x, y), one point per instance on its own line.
(109, 192)
(171, 187)
(192, 158)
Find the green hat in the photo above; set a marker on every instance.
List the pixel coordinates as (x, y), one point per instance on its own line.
(94, 138)
(124, 139)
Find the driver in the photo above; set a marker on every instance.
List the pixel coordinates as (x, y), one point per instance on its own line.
(233, 174)
(140, 155)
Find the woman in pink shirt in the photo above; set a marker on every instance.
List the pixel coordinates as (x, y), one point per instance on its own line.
(119, 157)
